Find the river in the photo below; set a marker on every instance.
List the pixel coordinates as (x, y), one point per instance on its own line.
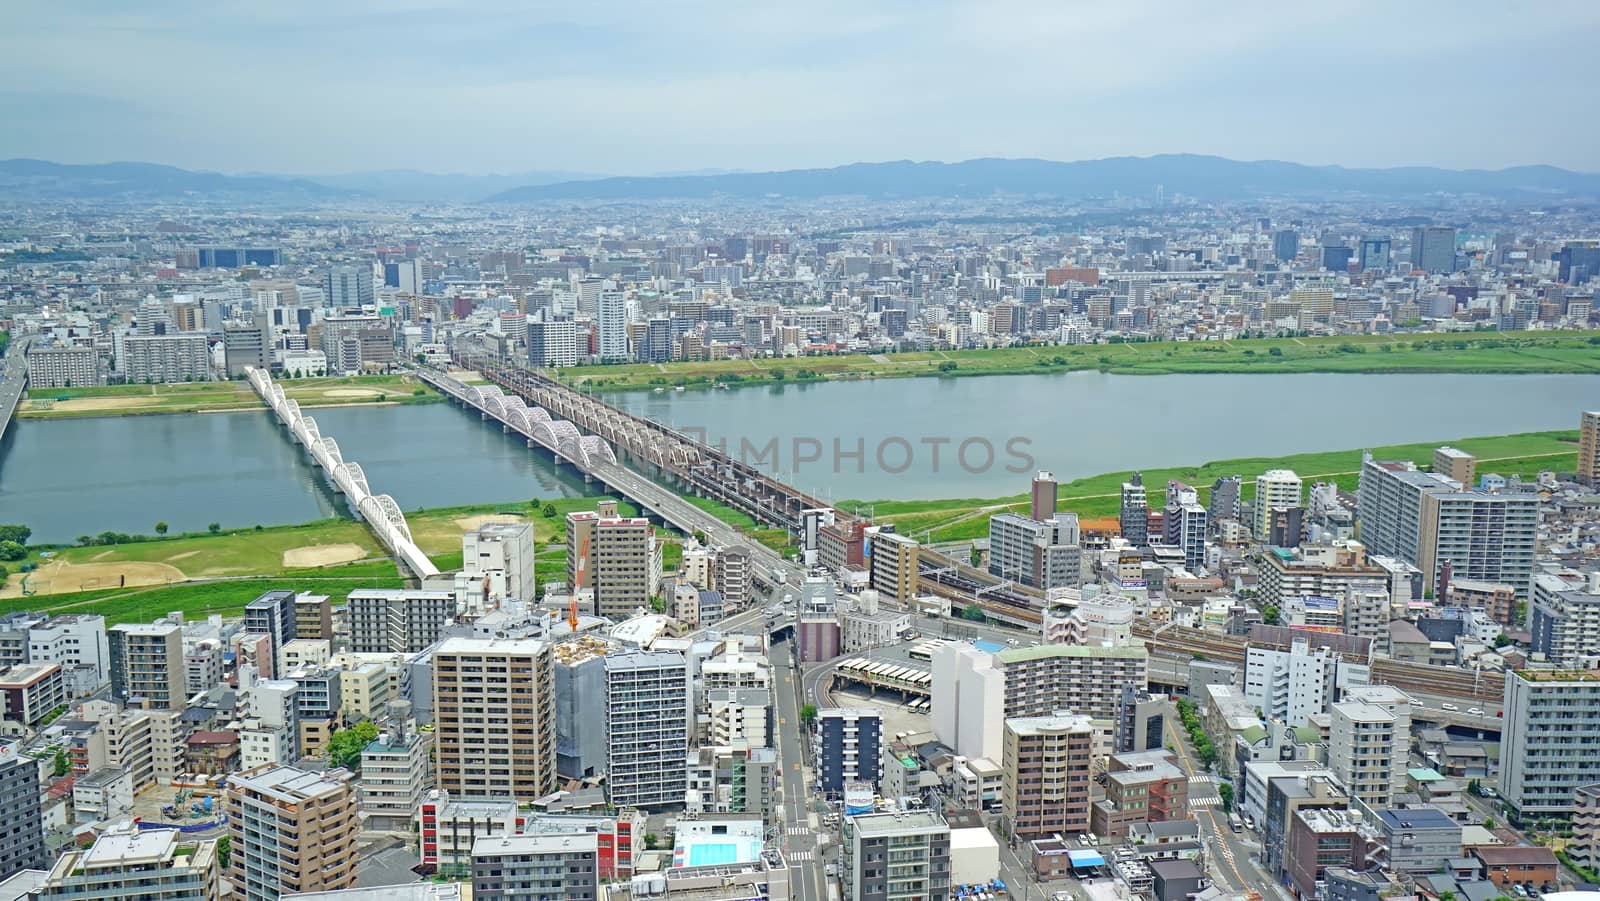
(916, 438)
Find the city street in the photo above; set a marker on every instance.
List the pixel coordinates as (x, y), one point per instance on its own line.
(797, 823)
(1230, 859)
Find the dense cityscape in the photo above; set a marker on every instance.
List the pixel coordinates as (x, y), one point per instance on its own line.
(1167, 527)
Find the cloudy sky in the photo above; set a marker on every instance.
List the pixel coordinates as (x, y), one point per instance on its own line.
(292, 86)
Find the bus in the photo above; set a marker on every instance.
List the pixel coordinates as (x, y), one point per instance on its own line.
(1235, 822)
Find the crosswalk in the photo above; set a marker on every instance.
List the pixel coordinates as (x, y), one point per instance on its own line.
(1204, 802)
(799, 856)
(799, 830)
(1200, 779)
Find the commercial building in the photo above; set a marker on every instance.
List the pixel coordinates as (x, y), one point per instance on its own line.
(247, 345)
(494, 718)
(291, 831)
(155, 359)
(537, 867)
(355, 341)
(396, 773)
(1291, 685)
(1276, 489)
(21, 823)
(157, 865)
(620, 837)
(1433, 249)
(896, 856)
(1549, 739)
(849, 747)
(1141, 787)
(497, 558)
(1321, 838)
(349, 287)
(648, 708)
(59, 366)
(1045, 765)
(449, 828)
(1497, 599)
(147, 663)
(1418, 839)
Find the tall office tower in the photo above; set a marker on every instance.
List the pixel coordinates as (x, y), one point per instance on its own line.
(1043, 506)
(850, 739)
(1589, 448)
(1433, 249)
(291, 831)
(1184, 524)
(1225, 496)
(611, 318)
(499, 555)
(159, 865)
(1456, 465)
(1045, 774)
(648, 708)
(1275, 489)
(349, 287)
(1549, 740)
(536, 867)
(1135, 512)
(397, 620)
(147, 662)
(1361, 744)
(21, 822)
(896, 856)
(272, 615)
(494, 718)
(1375, 254)
(1578, 262)
(1285, 244)
(406, 275)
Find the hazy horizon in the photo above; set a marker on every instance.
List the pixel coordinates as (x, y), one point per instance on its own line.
(500, 87)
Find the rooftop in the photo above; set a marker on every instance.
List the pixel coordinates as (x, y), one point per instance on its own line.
(1557, 675)
(1043, 652)
(416, 891)
(535, 843)
(875, 824)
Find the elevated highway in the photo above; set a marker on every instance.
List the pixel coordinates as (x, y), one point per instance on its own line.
(380, 511)
(13, 381)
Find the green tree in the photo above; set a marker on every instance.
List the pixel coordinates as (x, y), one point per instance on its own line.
(63, 766)
(224, 851)
(535, 504)
(161, 527)
(10, 550)
(19, 534)
(85, 540)
(1225, 791)
(700, 537)
(973, 612)
(214, 528)
(1270, 614)
(549, 511)
(346, 745)
(808, 713)
(651, 841)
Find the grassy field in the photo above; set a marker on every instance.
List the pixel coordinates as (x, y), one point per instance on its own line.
(1505, 352)
(193, 599)
(438, 531)
(1098, 496)
(215, 397)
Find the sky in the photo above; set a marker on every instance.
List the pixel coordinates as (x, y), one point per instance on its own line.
(633, 88)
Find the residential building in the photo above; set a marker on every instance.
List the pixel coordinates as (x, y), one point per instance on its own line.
(849, 747)
(537, 867)
(1045, 765)
(1276, 489)
(1588, 470)
(611, 320)
(648, 709)
(1455, 465)
(498, 556)
(147, 663)
(31, 692)
(247, 345)
(552, 342)
(1585, 845)
(1226, 493)
(732, 778)
(1290, 686)
(449, 828)
(1141, 787)
(396, 773)
(1320, 570)
(157, 359)
(615, 557)
(1549, 739)
(893, 562)
(1565, 621)
(272, 614)
(1361, 751)
(398, 621)
(1319, 839)
(620, 836)
(896, 856)
(21, 822)
(1184, 525)
(291, 831)
(580, 692)
(494, 718)
(1498, 600)
(154, 865)
(1134, 515)
(1040, 554)
(59, 366)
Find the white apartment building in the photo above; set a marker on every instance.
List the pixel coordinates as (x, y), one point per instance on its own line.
(1550, 739)
(1361, 743)
(1291, 685)
(62, 367)
(156, 359)
(1275, 489)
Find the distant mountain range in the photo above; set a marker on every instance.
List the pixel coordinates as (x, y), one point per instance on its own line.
(38, 178)
(1206, 177)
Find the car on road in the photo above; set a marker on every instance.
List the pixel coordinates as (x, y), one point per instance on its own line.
(1475, 711)
(1448, 706)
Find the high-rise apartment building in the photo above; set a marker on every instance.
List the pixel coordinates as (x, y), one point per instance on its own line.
(611, 320)
(648, 709)
(494, 718)
(1040, 554)
(1549, 739)
(895, 856)
(1566, 618)
(1046, 764)
(21, 822)
(1276, 489)
(1456, 465)
(1589, 448)
(1134, 516)
(147, 662)
(849, 741)
(291, 831)
(536, 867)
(272, 615)
(1184, 525)
(1433, 249)
(893, 563)
(617, 558)
(1290, 686)
(165, 358)
(499, 555)
(1361, 751)
(1042, 497)
(552, 341)
(1226, 493)
(397, 620)
(155, 865)
(59, 366)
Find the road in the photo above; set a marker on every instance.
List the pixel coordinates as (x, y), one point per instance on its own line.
(798, 823)
(1229, 858)
(16, 371)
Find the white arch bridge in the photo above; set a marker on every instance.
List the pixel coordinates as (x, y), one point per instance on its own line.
(379, 511)
(560, 437)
